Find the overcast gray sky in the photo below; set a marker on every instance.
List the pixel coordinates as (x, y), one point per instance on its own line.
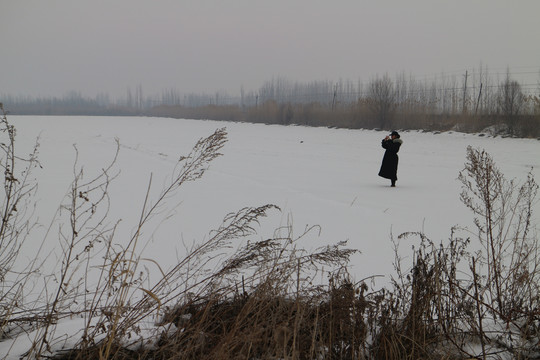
(48, 48)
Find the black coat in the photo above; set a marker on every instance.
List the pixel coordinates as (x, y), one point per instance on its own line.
(390, 160)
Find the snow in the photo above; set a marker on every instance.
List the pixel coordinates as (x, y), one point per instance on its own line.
(317, 177)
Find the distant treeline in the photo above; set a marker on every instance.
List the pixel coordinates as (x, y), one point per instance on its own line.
(469, 103)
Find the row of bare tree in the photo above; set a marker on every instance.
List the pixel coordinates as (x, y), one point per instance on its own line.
(384, 102)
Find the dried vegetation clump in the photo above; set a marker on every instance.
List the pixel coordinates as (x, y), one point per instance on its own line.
(271, 298)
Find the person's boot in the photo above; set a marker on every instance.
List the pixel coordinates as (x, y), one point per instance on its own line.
(393, 183)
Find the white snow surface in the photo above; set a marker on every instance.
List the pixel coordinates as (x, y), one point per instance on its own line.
(316, 176)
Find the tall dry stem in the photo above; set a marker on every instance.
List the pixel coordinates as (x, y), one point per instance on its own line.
(17, 207)
(87, 210)
(503, 213)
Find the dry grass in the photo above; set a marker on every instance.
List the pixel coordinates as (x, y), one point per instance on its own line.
(353, 116)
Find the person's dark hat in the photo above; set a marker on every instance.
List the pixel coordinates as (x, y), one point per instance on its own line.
(395, 133)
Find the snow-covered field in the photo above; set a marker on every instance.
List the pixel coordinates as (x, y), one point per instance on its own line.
(317, 176)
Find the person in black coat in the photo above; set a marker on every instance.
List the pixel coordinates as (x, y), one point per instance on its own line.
(390, 160)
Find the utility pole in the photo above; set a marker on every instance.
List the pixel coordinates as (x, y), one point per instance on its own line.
(465, 93)
(478, 100)
(334, 99)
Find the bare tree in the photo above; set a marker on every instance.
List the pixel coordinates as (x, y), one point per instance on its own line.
(510, 101)
(382, 100)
